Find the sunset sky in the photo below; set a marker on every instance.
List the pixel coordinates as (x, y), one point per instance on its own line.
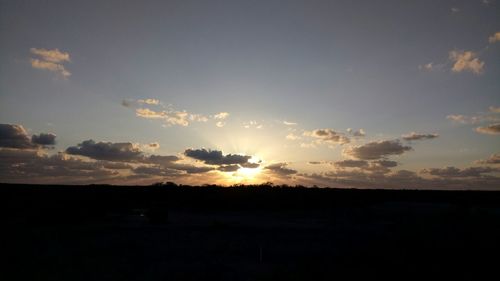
(355, 94)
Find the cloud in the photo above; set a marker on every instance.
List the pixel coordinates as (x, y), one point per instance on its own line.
(15, 136)
(466, 61)
(289, 123)
(23, 166)
(170, 117)
(51, 60)
(44, 139)
(356, 133)
(494, 38)
(377, 150)
(375, 167)
(492, 129)
(151, 146)
(351, 163)
(453, 172)
(464, 119)
(292, 137)
(124, 151)
(386, 163)
(427, 67)
(415, 136)
(228, 168)
(328, 136)
(494, 109)
(149, 101)
(215, 157)
(280, 169)
(155, 171)
(220, 124)
(252, 124)
(455, 10)
(221, 115)
(492, 160)
(53, 55)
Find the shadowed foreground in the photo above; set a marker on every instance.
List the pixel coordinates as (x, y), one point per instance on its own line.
(245, 233)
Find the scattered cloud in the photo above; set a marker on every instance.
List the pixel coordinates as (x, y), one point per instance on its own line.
(455, 10)
(149, 101)
(151, 146)
(44, 139)
(427, 67)
(289, 123)
(15, 136)
(494, 109)
(492, 129)
(492, 160)
(221, 115)
(169, 115)
(328, 136)
(280, 169)
(51, 60)
(292, 137)
(216, 157)
(416, 136)
(453, 172)
(466, 61)
(356, 133)
(53, 55)
(349, 163)
(494, 38)
(252, 124)
(123, 151)
(376, 150)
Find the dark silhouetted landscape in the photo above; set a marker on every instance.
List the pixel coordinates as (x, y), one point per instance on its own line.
(256, 232)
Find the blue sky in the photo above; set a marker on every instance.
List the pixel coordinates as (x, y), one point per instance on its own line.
(389, 68)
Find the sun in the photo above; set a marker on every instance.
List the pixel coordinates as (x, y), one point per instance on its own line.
(244, 176)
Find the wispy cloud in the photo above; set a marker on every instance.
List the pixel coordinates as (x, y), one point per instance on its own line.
(51, 60)
(169, 115)
(416, 136)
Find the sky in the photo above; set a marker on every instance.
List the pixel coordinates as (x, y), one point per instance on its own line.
(346, 94)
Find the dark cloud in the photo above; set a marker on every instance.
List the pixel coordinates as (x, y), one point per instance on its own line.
(125, 151)
(386, 163)
(44, 139)
(351, 163)
(328, 136)
(160, 159)
(492, 129)
(115, 165)
(170, 162)
(14, 136)
(416, 136)
(20, 165)
(377, 150)
(280, 169)
(453, 172)
(228, 168)
(402, 179)
(215, 157)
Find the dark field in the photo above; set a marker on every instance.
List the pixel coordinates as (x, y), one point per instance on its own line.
(246, 233)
